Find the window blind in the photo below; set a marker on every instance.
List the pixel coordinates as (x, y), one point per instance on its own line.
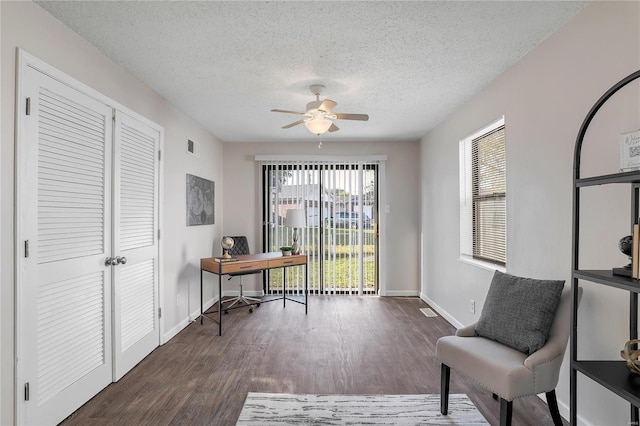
(488, 189)
(340, 203)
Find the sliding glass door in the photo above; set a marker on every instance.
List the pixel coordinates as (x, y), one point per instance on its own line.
(340, 202)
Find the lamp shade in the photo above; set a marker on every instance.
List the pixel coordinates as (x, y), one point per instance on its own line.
(295, 218)
(318, 126)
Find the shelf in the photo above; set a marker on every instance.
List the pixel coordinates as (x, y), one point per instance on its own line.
(613, 375)
(626, 177)
(606, 277)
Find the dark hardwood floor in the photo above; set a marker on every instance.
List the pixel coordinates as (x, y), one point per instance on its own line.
(345, 345)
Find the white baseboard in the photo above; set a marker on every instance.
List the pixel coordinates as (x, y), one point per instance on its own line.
(175, 330)
(401, 293)
(444, 314)
(185, 322)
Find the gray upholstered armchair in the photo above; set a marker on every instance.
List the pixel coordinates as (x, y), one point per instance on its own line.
(507, 372)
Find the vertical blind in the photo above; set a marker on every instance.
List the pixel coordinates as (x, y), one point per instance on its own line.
(488, 166)
(340, 204)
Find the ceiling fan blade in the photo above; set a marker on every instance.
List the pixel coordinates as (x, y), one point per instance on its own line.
(333, 128)
(295, 123)
(327, 105)
(361, 117)
(287, 111)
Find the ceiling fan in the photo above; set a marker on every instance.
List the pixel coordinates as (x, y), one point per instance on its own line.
(318, 115)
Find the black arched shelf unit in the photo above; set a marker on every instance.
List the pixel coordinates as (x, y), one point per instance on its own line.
(613, 375)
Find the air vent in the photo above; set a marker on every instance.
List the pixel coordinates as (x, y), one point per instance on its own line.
(193, 148)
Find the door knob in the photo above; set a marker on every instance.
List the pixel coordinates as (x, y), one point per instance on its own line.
(121, 260)
(110, 261)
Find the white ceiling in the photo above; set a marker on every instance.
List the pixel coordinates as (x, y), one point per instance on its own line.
(227, 64)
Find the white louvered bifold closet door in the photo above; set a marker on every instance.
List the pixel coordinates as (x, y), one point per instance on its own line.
(135, 296)
(64, 226)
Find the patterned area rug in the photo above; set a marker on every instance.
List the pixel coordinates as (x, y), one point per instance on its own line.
(290, 409)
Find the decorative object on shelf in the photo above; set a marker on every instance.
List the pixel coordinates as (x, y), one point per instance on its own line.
(286, 250)
(200, 201)
(626, 247)
(227, 244)
(295, 220)
(631, 355)
(630, 151)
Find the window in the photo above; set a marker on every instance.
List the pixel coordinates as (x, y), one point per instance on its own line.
(483, 218)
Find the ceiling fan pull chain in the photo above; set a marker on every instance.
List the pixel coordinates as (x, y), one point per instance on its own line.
(319, 142)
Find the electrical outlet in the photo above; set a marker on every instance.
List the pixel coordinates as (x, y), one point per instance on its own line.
(472, 306)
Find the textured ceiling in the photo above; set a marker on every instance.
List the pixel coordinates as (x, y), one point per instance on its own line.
(227, 64)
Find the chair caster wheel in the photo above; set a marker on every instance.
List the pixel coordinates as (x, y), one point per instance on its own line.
(251, 310)
(258, 305)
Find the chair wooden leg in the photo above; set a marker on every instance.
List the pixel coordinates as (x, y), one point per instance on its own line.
(506, 410)
(553, 407)
(445, 374)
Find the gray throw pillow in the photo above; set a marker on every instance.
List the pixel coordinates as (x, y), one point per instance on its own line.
(519, 312)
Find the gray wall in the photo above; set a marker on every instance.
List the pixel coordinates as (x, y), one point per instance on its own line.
(544, 99)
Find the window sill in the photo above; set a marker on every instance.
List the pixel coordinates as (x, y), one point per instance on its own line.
(482, 264)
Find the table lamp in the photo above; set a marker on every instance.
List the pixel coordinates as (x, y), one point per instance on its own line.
(295, 219)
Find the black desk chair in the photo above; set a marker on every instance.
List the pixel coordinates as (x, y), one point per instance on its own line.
(240, 246)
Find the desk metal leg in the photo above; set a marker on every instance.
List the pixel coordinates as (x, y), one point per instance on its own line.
(284, 287)
(219, 304)
(306, 286)
(201, 311)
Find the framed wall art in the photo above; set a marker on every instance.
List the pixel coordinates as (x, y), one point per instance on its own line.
(200, 201)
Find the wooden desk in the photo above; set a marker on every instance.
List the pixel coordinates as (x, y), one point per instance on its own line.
(251, 263)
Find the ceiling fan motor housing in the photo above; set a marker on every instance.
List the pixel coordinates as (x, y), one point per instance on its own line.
(316, 89)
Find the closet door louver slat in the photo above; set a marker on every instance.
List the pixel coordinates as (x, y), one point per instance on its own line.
(137, 309)
(70, 332)
(71, 180)
(137, 183)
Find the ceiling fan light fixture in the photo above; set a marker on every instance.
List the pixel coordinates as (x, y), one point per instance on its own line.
(319, 114)
(318, 126)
